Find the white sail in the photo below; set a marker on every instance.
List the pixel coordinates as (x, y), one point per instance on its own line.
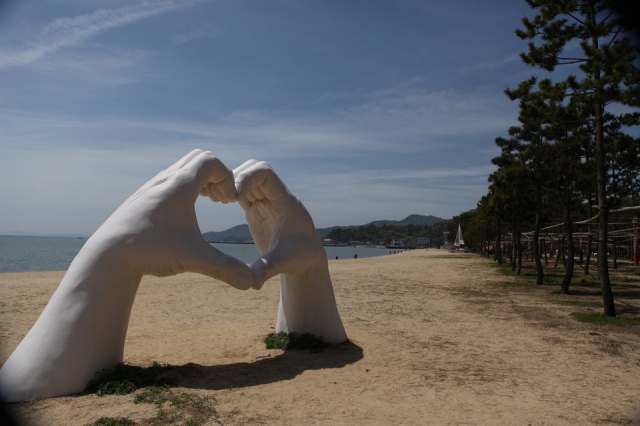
(459, 242)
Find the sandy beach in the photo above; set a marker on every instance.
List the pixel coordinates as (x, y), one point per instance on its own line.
(434, 339)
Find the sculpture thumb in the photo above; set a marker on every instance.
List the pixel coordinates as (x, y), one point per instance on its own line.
(266, 266)
(276, 261)
(208, 260)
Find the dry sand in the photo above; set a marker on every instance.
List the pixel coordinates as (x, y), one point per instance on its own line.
(433, 340)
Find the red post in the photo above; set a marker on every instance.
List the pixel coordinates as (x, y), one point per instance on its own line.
(636, 252)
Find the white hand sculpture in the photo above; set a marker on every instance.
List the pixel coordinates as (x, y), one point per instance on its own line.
(289, 244)
(83, 327)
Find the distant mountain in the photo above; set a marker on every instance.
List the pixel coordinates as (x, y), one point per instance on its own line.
(241, 234)
(323, 232)
(237, 234)
(414, 219)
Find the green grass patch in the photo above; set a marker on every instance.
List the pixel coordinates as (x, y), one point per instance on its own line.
(112, 421)
(153, 395)
(123, 379)
(286, 341)
(583, 303)
(605, 320)
(173, 407)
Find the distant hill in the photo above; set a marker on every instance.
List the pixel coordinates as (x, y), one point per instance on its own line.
(241, 234)
(237, 234)
(414, 219)
(323, 232)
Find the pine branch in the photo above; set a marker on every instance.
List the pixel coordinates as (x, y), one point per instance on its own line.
(607, 17)
(576, 19)
(614, 36)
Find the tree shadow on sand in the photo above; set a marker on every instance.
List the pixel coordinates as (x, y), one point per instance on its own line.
(285, 366)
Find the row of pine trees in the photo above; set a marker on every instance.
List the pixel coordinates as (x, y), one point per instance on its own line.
(573, 155)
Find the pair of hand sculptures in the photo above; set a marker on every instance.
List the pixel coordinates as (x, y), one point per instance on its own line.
(82, 329)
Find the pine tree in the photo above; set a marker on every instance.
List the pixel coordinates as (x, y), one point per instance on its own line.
(602, 73)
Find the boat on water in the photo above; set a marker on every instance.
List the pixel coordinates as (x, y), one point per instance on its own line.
(458, 244)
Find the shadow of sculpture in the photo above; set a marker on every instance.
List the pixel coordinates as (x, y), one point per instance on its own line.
(286, 366)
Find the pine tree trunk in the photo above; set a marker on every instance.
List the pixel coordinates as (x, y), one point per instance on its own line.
(487, 233)
(568, 226)
(603, 209)
(589, 248)
(558, 254)
(536, 240)
(499, 242)
(519, 246)
(581, 253)
(513, 254)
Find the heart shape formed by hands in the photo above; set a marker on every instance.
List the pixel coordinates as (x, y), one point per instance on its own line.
(280, 225)
(83, 328)
(287, 240)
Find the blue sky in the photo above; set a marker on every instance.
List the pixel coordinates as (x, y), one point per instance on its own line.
(367, 109)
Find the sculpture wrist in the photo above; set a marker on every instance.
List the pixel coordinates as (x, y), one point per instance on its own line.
(81, 330)
(308, 305)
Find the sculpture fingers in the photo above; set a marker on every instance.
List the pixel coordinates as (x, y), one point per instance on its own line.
(255, 181)
(244, 166)
(209, 176)
(207, 260)
(185, 160)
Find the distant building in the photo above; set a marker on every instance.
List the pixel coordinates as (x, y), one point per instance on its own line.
(396, 244)
(423, 242)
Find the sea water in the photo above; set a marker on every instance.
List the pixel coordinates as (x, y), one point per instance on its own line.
(32, 254)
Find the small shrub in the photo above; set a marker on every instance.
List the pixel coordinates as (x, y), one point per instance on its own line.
(116, 387)
(197, 409)
(152, 395)
(286, 341)
(124, 379)
(277, 340)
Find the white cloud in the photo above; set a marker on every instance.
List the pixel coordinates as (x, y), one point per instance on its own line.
(106, 66)
(65, 32)
(98, 161)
